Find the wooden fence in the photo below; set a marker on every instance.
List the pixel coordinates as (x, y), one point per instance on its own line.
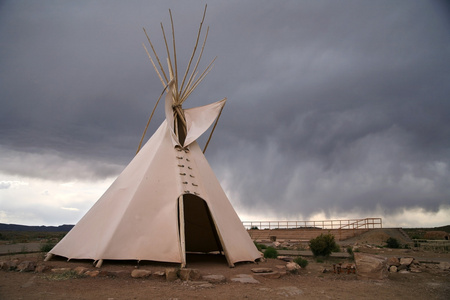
(366, 223)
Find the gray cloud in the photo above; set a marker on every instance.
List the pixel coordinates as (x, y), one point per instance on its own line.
(332, 107)
(4, 185)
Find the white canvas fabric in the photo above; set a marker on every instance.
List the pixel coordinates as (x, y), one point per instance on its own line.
(138, 219)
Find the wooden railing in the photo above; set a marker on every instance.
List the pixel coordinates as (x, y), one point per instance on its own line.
(367, 223)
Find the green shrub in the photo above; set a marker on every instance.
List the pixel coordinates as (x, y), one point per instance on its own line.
(254, 227)
(323, 245)
(270, 252)
(47, 247)
(260, 247)
(336, 248)
(301, 262)
(350, 252)
(392, 243)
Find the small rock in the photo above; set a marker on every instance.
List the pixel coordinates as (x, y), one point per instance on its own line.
(402, 267)
(26, 266)
(92, 273)
(444, 265)
(393, 269)
(159, 274)
(406, 261)
(139, 273)
(60, 270)
(262, 270)
(80, 270)
(292, 267)
(171, 274)
(41, 269)
(393, 261)
(189, 274)
(285, 258)
(15, 263)
(4, 265)
(10, 265)
(214, 278)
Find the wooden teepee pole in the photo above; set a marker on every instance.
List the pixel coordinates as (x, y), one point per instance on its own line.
(149, 119)
(195, 49)
(214, 127)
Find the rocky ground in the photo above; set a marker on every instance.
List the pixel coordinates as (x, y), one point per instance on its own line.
(426, 276)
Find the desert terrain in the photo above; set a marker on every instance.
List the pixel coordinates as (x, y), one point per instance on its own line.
(429, 280)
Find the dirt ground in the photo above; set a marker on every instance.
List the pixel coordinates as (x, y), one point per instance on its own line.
(310, 283)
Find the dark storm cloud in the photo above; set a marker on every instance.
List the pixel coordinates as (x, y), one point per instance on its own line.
(333, 106)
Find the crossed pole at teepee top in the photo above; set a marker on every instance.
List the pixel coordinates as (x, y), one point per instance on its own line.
(179, 92)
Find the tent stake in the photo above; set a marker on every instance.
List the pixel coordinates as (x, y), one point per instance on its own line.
(48, 257)
(99, 263)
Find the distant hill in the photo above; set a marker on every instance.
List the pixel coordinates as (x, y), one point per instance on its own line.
(15, 227)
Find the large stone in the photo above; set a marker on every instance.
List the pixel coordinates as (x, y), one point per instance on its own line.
(26, 266)
(189, 274)
(214, 278)
(393, 269)
(171, 274)
(4, 265)
(292, 267)
(10, 265)
(369, 266)
(406, 261)
(244, 278)
(262, 270)
(138, 273)
(285, 258)
(393, 261)
(41, 268)
(444, 265)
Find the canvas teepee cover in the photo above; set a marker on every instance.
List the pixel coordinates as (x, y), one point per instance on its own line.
(165, 203)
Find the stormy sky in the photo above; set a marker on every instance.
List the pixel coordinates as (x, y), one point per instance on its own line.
(336, 109)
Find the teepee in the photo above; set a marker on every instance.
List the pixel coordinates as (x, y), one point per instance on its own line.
(167, 201)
